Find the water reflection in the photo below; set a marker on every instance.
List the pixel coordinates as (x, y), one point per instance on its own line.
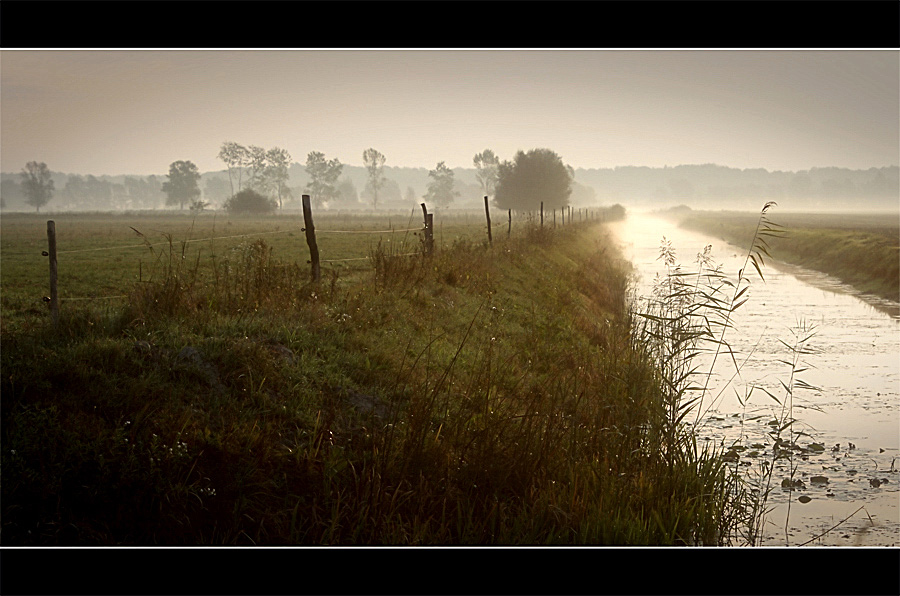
(856, 370)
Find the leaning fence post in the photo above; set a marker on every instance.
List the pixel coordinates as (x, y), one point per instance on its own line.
(487, 213)
(54, 291)
(310, 230)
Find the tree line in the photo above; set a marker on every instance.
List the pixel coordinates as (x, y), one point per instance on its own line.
(258, 182)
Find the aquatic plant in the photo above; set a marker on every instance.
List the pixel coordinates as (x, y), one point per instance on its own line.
(683, 327)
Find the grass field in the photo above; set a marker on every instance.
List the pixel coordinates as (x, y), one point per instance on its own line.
(860, 249)
(201, 391)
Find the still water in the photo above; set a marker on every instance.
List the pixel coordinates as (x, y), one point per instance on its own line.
(853, 409)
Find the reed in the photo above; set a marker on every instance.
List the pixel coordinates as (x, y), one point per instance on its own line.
(684, 329)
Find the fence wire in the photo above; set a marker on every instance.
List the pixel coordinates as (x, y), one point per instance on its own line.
(441, 228)
(152, 245)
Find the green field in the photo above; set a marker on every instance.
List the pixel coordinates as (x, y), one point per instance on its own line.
(862, 250)
(200, 389)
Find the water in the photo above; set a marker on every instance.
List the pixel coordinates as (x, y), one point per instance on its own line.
(854, 410)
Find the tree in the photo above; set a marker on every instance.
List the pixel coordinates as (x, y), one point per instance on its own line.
(144, 192)
(181, 187)
(256, 163)
(390, 193)
(374, 162)
(487, 164)
(346, 192)
(11, 192)
(249, 202)
(278, 162)
(440, 189)
(531, 178)
(235, 157)
(323, 177)
(411, 196)
(216, 190)
(36, 184)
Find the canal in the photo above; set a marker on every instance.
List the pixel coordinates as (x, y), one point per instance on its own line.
(842, 482)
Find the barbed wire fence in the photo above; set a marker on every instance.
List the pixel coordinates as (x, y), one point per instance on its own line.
(311, 233)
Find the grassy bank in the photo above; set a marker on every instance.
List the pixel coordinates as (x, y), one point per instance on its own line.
(481, 395)
(859, 249)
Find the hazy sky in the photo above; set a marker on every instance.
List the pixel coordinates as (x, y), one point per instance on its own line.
(136, 111)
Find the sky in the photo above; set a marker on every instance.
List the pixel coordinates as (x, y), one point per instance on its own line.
(134, 112)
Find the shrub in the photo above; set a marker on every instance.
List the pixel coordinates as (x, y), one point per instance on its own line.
(250, 202)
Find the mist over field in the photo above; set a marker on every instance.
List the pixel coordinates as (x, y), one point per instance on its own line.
(359, 298)
(645, 128)
(705, 186)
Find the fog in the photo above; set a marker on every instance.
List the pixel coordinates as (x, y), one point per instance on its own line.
(697, 186)
(133, 112)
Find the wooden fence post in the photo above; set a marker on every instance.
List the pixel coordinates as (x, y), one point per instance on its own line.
(54, 291)
(487, 213)
(509, 229)
(310, 230)
(429, 230)
(542, 214)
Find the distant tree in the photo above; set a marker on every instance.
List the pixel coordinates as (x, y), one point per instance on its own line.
(154, 190)
(11, 192)
(76, 192)
(323, 176)
(389, 194)
(440, 190)
(236, 157)
(581, 194)
(249, 202)
(181, 187)
(36, 184)
(119, 196)
(486, 165)
(530, 178)
(278, 162)
(140, 192)
(256, 163)
(374, 162)
(99, 192)
(216, 190)
(346, 192)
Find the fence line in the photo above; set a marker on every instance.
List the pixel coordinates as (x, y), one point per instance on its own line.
(190, 241)
(318, 231)
(310, 231)
(151, 245)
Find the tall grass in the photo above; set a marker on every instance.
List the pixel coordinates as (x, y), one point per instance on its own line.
(859, 250)
(684, 329)
(783, 424)
(484, 395)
